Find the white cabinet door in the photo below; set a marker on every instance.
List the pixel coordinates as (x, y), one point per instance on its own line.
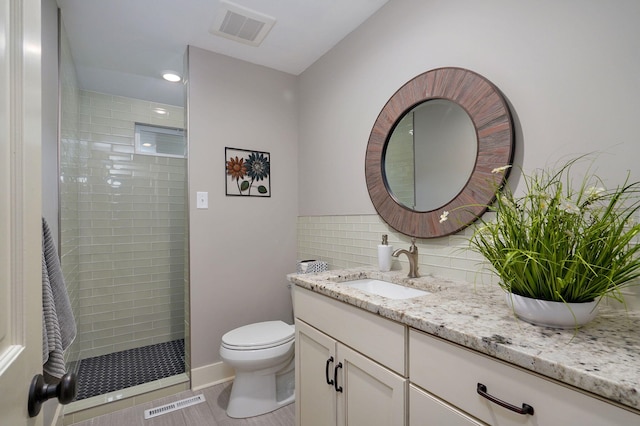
(315, 364)
(336, 385)
(20, 208)
(370, 394)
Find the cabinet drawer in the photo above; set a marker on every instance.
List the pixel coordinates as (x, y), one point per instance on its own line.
(452, 373)
(378, 338)
(426, 410)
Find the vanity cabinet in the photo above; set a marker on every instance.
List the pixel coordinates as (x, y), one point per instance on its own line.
(350, 365)
(447, 378)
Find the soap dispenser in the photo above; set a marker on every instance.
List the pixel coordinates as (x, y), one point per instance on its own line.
(384, 255)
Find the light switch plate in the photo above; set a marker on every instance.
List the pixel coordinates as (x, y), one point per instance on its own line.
(202, 200)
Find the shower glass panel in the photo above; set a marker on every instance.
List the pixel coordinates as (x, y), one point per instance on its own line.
(123, 238)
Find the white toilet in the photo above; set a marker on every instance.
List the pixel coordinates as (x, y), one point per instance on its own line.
(263, 357)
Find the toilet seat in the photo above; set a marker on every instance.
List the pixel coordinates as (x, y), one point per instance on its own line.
(262, 335)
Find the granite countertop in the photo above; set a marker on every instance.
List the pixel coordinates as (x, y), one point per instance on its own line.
(602, 357)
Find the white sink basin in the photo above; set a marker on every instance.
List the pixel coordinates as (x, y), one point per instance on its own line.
(385, 289)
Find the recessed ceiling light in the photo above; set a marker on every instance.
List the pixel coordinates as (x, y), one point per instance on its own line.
(171, 76)
(160, 111)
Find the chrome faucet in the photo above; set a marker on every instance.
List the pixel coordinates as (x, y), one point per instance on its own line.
(412, 254)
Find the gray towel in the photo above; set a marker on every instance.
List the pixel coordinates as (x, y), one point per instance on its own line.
(58, 323)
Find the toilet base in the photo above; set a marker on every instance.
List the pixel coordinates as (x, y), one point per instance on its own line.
(255, 394)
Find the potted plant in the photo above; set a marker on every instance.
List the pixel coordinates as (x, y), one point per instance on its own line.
(562, 243)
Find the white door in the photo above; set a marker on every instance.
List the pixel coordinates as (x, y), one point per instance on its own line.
(20, 208)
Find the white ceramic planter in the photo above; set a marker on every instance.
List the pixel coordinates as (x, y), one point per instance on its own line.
(552, 314)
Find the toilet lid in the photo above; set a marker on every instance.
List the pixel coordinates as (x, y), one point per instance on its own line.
(260, 335)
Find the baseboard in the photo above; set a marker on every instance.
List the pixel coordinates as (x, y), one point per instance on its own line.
(210, 375)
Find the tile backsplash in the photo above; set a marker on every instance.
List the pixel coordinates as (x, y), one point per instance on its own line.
(350, 241)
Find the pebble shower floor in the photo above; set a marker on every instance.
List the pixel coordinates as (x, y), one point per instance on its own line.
(120, 370)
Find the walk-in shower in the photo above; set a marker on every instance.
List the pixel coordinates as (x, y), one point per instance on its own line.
(123, 235)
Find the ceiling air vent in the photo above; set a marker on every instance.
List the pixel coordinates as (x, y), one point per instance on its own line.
(241, 24)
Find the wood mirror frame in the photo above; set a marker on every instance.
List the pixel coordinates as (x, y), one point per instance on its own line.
(492, 120)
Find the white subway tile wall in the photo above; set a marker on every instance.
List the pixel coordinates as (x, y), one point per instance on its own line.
(350, 241)
(130, 217)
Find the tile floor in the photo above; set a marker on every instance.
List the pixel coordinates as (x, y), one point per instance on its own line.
(120, 370)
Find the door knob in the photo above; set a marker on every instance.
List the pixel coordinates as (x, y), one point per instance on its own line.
(39, 392)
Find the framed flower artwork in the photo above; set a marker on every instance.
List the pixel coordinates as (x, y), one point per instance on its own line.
(247, 172)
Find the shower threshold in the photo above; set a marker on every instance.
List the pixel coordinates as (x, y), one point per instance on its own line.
(89, 405)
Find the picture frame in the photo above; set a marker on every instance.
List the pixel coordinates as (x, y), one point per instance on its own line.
(247, 172)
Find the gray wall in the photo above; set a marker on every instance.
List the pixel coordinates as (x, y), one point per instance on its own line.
(570, 69)
(241, 248)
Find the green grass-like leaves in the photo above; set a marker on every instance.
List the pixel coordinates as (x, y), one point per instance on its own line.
(561, 243)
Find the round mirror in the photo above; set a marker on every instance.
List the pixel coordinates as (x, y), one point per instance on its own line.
(468, 131)
(435, 139)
